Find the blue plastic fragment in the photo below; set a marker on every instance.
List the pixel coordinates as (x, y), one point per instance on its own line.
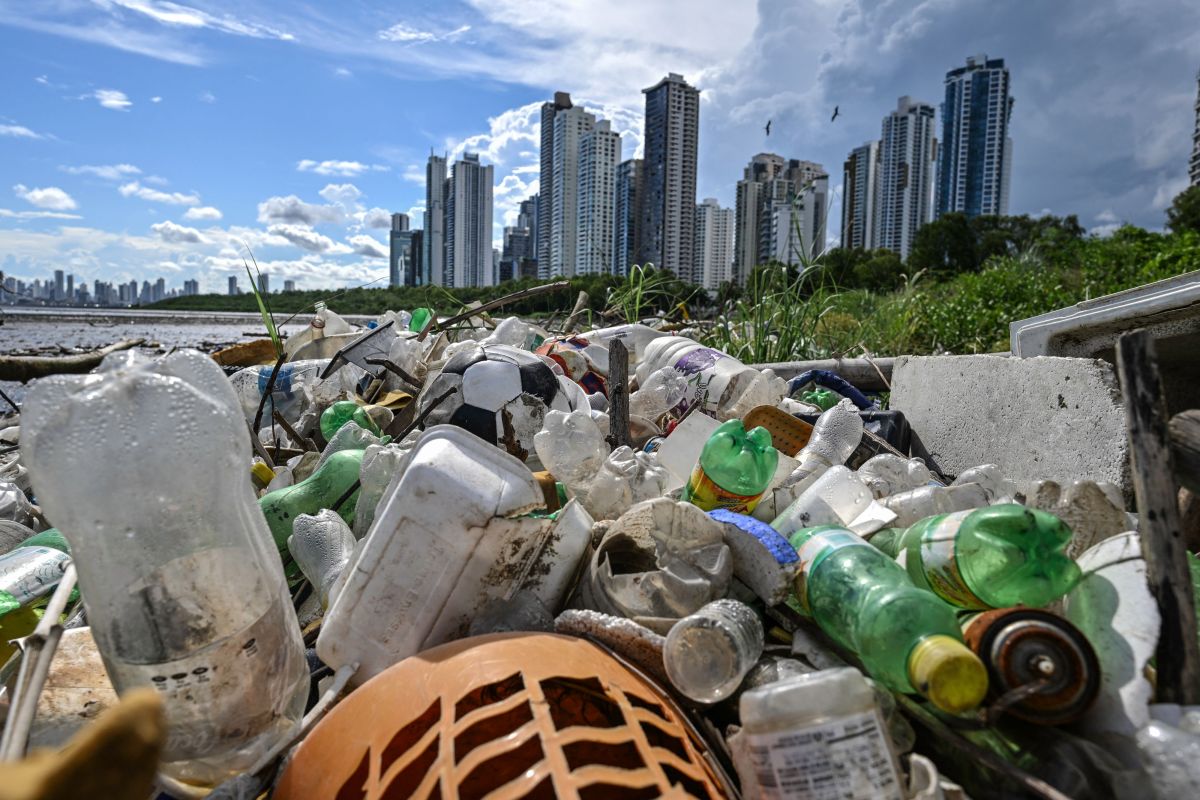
(770, 538)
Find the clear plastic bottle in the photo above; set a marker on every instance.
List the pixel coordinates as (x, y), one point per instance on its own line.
(907, 638)
(709, 652)
(835, 498)
(635, 336)
(286, 398)
(817, 736)
(887, 474)
(733, 470)
(719, 384)
(835, 436)
(323, 489)
(33, 569)
(917, 504)
(321, 544)
(142, 465)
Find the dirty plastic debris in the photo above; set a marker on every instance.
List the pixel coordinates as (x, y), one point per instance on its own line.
(835, 436)
(887, 474)
(321, 545)
(719, 384)
(709, 652)
(32, 569)
(837, 497)
(915, 505)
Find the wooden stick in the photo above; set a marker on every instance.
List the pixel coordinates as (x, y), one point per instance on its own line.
(618, 394)
(304, 442)
(581, 303)
(26, 368)
(1163, 547)
(266, 393)
(1185, 447)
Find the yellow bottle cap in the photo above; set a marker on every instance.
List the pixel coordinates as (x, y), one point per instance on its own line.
(945, 670)
(262, 473)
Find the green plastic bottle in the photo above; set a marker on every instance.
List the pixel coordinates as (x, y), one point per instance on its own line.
(734, 469)
(420, 318)
(341, 412)
(320, 490)
(907, 638)
(32, 569)
(991, 557)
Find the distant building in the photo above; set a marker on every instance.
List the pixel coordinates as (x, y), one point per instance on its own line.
(550, 111)
(976, 158)
(160, 290)
(468, 260)
(264, 283)
(434, 241)
(780, 214)
(518, 248)
(401, 269)
(289, 286)
(860, 182)
(417, 258)
(671, 135)
(191, 288)
(233, 286)
(908, 153)
(1194, 164)
(571, 125)
(714, 243)
(599, 155)
(70, 295)
(60, 291)
(627, 216)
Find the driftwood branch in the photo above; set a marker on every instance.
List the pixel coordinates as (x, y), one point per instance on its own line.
(618, 395)
(490, 305)
(26, 368)
(1163, 546)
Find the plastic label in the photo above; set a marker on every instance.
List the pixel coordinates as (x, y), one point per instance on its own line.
(702, 491)
(28, 573)
(846, 758)
(939, 561)
(813, 552)
(709, 373)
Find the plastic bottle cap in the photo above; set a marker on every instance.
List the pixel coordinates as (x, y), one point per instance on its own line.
(944, 670)
(261, 471)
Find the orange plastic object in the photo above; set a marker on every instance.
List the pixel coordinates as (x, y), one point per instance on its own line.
(789, 434)
(506, 716)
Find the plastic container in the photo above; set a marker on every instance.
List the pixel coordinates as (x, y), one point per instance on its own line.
(734, 469)
(143, 466)
(709, 652)
(635, 336)
(33, 569)
(992, 557)
(907, 638)
(322, 545)
(914, 505)
(835, 435)
(890, 474)
(837, 497)
(323, 489)
(341, 412)
(818, 736)
(286, 398)
(325, 324)
(719, 384)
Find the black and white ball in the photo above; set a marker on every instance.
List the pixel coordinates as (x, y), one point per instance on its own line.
(502, 395)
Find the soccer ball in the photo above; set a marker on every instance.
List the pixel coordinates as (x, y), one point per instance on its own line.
(573, 355)
(502, 395)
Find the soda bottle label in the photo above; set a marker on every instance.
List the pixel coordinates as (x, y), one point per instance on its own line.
(845, 758)
(813, 552)
(28, 573)
(939, 561)
(706, 494)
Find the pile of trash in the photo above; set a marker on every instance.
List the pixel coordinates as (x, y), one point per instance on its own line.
(424, 559)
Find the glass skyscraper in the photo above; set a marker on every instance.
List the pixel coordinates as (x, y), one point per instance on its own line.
(976, 153)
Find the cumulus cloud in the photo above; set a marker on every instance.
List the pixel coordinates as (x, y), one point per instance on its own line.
(376, 218)
(308, 239)
(19, 132)
(367, 246)
(177, 234)
(343, 194)
(136, 189)
(345, 169)
(292, 210)
(48, 197)
(112, 98)
(206, 213)
(110, 172)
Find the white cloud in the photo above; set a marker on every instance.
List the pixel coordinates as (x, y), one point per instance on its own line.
(293, 210)
(342, 194)
(406, 34)
(156, 99)
(342, 72)
(177, 234)
(368, 246)
(10, 214)
(307, 239)
(181, 16)
(1104, 231)
(376, 218)
(345, 169)
(414, 173)
(112, 98)
(49, 197)
(19, 132)
(1106, 215)
(206, 213)
(110, 172)
(207, 97)
(136, 189)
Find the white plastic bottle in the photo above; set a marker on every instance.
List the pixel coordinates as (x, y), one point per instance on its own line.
(818, 736)
(837, 497)
(835, 436)
(916, 504)
(709, 652)
(721, 385)
(142, 466)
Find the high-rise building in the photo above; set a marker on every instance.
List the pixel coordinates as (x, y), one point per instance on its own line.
(191, 288)
(264, 283)
(907, 155)
(60, 291)
(976, 148)
(70, 295)
(434, 240)
(860, 182)
(780, 214)
(570, 126)
(289, 285)
(714, 243)
(233, 287)
(160, 289)
(1194, 164)
(469, 224)
(599, 155)
(401, 269)
(672, 130)
(550, 111)
(416, 256)
(529, 215)
(627, 216)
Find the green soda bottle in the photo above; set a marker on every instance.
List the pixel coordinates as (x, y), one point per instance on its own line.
(32, 569)
(907, 638)
(734, 469)
(341, 412)
(420, 318)
(991, 557)
(320, 490)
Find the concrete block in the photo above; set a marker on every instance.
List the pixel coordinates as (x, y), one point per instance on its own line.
(1044, 418)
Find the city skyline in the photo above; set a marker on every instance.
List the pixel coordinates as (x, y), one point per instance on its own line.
(169, 170)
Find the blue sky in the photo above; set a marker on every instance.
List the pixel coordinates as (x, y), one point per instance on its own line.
(142, 138)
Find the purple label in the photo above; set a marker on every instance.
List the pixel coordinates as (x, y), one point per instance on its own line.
(698, 360)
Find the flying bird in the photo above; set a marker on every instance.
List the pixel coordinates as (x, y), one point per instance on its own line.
(835, 114)
(768, 127)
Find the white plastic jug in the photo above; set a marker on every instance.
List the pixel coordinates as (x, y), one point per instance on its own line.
(721, 385)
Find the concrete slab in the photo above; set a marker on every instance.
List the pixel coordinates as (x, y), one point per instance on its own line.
(1041, 418)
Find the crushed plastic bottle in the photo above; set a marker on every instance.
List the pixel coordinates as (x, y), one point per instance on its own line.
(379, 465)
(709, 652)
(718, 383)
(33, 569)
(325, 323)
(322, 545)
(625, 479)
(662, 391)
(323, 489)
(837, 497)
(15, 506)
(341, 412)
(182, 589)
(734, 469)
(572, 448)
(1169, 746)
(887, 474)
(907, 638)
(915, 505)
(835, 436)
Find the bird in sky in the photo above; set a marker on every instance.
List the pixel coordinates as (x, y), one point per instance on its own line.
(835, 114)
(768, 127)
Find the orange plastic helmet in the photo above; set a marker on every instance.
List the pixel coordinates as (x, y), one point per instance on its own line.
(506, 716)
